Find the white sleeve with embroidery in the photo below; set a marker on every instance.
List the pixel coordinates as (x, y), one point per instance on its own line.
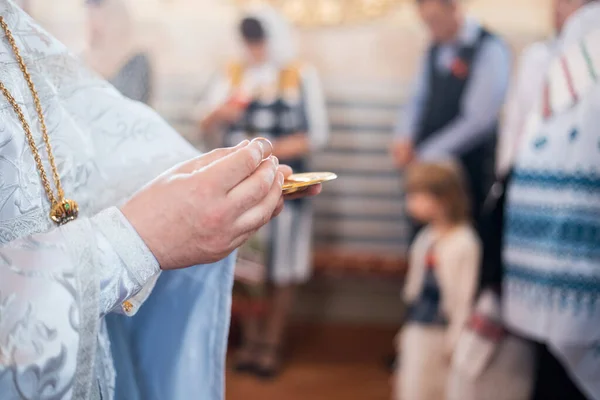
(66, 279)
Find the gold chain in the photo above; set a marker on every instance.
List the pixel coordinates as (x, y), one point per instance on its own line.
(62, 210)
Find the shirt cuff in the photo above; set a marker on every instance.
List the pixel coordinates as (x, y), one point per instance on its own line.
(130, 307)
(137, 258)
(128, 245)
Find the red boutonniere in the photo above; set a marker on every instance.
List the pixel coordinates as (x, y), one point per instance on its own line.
(459, 68)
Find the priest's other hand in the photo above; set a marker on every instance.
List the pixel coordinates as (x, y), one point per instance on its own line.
(200, 211)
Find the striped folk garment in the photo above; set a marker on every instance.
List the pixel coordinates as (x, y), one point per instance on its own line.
(552, 237)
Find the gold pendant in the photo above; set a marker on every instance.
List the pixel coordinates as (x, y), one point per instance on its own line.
(64, 211)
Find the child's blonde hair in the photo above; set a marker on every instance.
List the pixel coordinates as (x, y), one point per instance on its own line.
(445, 182)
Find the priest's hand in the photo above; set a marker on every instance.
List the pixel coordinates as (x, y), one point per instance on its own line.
(201, 210)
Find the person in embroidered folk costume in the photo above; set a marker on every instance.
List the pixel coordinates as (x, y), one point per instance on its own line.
(79, 242)
(489, 358)
(268, 93)
(551, 277)
(441, 281)
(492, 356)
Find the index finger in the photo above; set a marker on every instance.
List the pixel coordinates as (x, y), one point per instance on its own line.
(234, 168)
(208, 158)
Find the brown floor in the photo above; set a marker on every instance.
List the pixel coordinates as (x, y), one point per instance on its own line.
(325, 363)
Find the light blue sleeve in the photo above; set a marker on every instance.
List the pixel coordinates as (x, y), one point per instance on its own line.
(409, 115)
(480, 108)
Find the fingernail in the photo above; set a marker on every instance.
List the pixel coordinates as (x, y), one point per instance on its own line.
(280, 178)
(261, 146)
(264, 143)
(275, 161)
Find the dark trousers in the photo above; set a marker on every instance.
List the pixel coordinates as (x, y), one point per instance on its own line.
(552, 381)
(478, 168)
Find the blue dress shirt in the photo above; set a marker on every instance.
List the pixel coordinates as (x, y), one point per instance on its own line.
(481, 103)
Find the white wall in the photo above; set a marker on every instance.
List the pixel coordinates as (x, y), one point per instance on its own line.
(189, 37)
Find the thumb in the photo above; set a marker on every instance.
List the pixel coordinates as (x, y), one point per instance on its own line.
(285, 170)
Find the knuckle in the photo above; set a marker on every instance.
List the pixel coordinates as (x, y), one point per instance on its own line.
(249, 164)
(268, 176)
(266, 217)
(253, 198)
(214, 152)
(252, 159)
(263, 188)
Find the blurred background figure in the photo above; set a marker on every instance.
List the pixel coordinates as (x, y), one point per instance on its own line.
(456, 99)
(522, 97)
(441, 282)
(458, 95)
(526, 87)
(269, 93)
(492, 363)
(113, 51)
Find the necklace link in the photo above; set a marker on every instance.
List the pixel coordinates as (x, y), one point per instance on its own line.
(61, 210)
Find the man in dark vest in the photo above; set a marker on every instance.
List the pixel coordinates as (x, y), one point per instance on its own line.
(458, 94)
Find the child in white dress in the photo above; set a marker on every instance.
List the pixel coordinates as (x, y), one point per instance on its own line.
(441, 282)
